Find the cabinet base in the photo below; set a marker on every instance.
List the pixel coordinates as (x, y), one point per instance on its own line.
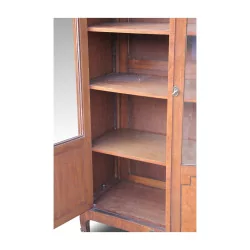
(114, 220)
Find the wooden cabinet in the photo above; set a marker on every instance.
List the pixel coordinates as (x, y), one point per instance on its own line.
(133, 163)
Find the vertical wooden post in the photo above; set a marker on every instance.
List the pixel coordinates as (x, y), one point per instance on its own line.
(177, 102)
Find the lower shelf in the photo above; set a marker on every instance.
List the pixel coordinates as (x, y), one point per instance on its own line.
(134, 201)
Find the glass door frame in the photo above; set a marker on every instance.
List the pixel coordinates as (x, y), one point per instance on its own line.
(179, 173)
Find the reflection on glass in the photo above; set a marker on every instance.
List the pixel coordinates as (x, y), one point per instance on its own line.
(189, 113)
(65, 102)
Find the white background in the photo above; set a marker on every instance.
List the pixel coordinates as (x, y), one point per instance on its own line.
(26, 105)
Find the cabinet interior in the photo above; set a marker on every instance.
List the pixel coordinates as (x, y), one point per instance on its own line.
(128, 69)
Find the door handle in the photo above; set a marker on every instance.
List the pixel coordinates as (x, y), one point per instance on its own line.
(176, 91)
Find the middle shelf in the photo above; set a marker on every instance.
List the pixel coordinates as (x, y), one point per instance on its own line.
(132, 84)
(133, 144)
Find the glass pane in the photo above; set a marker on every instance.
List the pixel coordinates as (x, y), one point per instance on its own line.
(189, 116)
(65, 102)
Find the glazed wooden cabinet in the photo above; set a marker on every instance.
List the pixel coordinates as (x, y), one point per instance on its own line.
(133, 164)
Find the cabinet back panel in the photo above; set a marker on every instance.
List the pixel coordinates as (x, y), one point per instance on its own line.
(149, 20)
(148, 170)
(148, 47)
(147, 114)
(92, 21)
(100, 54)
(103, 170)
(148, 54)
(102, 112)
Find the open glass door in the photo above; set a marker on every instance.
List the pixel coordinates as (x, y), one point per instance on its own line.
(73, 189)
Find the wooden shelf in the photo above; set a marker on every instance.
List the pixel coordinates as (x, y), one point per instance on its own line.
(132, 28)
(133, 144)
(188, 152)
(135, 201)
(138, 28)
(132, 84)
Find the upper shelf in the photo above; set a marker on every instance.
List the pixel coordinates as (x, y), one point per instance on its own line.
(132, 28)
(132, 84)
(138, 28)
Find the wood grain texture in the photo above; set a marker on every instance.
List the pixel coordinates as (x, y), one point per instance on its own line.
(169, 127)
(148, 67)
(73, 192)
(179, 76)
(132, 84)
(147, 181)
(148, 114)
(135, 201)
(131, 28)
(132, 144)
(188, 206)
(122, 222)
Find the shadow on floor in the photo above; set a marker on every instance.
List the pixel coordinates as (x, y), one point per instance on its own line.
(99, 227)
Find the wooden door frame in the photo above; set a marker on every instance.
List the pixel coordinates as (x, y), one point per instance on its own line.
(83, 93)
(175, 114)
(81, 144)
